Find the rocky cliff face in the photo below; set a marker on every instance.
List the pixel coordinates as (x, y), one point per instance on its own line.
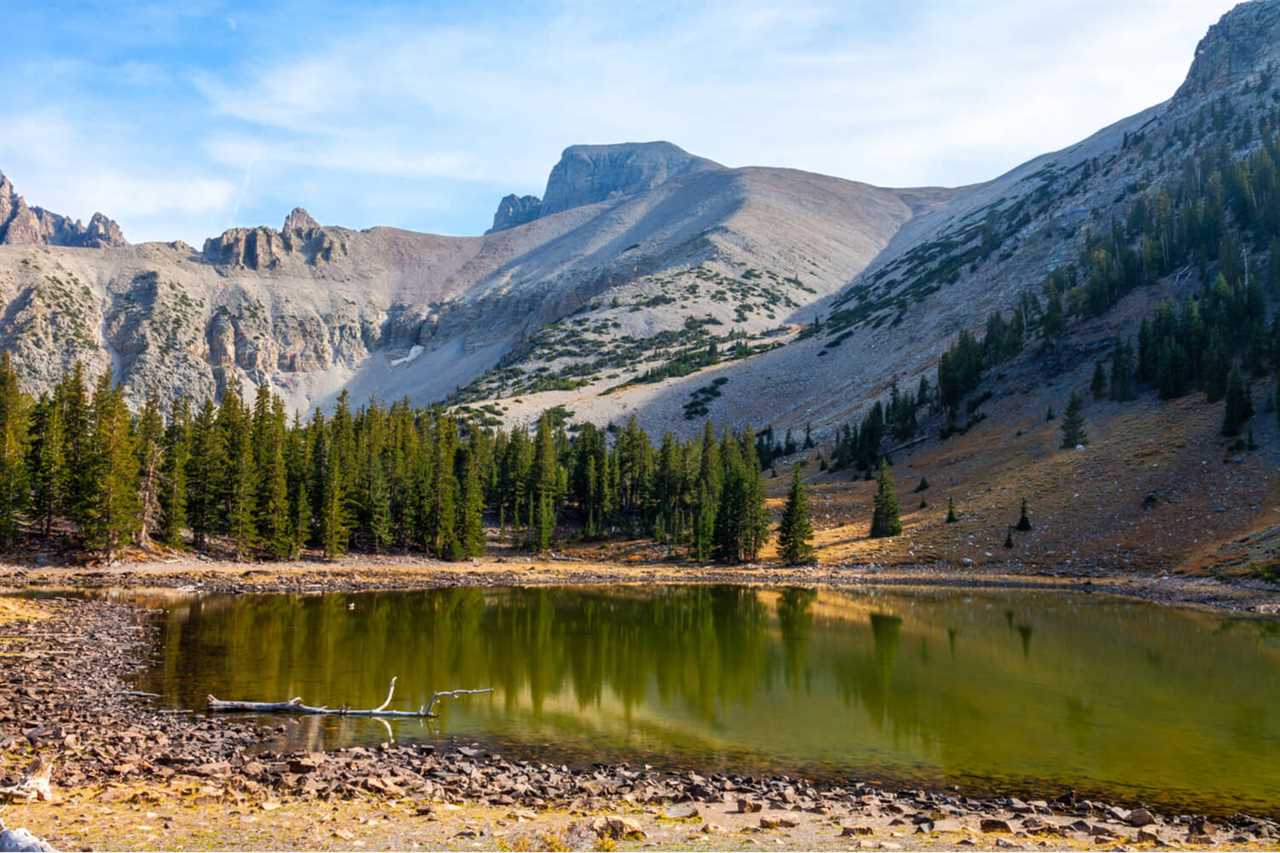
(587, 174)
(300, 240)
(516, 210)
(1244, 46)
(22, 225)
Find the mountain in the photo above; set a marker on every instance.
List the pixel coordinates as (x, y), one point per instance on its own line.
(21, 225)
(588, 174)
(988, 248)
(645, 281)
(639, 253)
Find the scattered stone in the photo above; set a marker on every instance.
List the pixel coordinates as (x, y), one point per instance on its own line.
(681, 811)
(859, 829)
(1140, 817)
(617, 828)
(995, 824)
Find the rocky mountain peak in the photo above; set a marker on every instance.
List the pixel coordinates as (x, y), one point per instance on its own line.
(515, 210)
(103, 231)
(23, 225)
(299, 220)
(587, 174)
(1244, 46)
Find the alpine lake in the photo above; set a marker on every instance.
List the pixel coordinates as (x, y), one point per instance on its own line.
(1029, 693)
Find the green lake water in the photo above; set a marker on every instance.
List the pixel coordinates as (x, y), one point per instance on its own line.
(1018, 692)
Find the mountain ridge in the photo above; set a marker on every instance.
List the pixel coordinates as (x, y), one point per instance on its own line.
(642, 273)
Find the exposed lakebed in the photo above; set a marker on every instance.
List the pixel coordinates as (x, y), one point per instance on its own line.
(992, 691)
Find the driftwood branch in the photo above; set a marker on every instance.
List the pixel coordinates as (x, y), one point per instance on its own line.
(297, 706)
(34, 785)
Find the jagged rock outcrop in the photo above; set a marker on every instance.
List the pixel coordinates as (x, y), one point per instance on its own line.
(302, 240)
(299, 220)
(1243, 46)
(515, 210)
(23, 225)
(587, 174)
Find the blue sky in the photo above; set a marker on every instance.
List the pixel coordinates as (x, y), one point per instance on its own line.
(182, 119)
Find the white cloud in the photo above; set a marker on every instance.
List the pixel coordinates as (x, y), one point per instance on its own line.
(61, 166)
(408, 123)
(806, 85)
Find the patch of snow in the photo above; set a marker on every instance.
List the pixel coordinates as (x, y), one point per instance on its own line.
(414, 352)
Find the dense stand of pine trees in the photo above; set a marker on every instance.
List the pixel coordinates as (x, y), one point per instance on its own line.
(370, 480)
(1218, 218)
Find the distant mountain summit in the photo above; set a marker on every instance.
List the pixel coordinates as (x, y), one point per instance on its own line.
(589, 174)
(22, 225)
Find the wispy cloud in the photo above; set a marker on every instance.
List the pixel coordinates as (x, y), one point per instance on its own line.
(420, 118)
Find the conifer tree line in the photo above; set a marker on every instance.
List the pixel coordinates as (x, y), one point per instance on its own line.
(379, 478)
(1218, 217)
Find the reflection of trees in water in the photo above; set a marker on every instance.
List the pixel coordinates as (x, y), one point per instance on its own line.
(699, 646)
(1024, 631)
(697, 651)
(795, 622)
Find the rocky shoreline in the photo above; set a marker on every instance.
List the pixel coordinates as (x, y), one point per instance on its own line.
(1243, 596)
(66, 711)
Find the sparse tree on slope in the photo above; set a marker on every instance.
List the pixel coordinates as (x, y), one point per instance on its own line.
(1073, 431)
(1239, 405)
(884, 518)
(795, 536)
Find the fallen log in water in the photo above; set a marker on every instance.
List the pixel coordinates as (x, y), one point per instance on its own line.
(296, 705)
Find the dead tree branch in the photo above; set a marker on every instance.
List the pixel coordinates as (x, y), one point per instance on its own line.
(297, 706)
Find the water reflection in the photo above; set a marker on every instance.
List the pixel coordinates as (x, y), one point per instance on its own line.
(1112, 696)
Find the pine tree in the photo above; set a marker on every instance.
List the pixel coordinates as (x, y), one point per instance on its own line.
(1073, 430)
(754, 525)
(241, 488)
(275, 521)
(952, 518)
(79, 452)
(1099, 384)
(884, 518)
(111, 510)
(13, 451)
(379, 502)
(1008, 538)
(46, 466)
(545, 477)
(471, 506)
(298, 465)
(150, 450)
(1024, 521)
(1122, 372)
(1239, 405)
(208, 460)
(444, 511)
(707, 495)
(796, 532)
(923, 486)
(330, 513)
(177, 459)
